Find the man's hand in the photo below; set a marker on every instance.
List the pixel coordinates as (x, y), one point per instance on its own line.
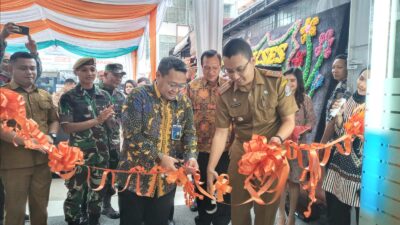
(105, 114)
(31, 45)
(212, 175)
(8, 29)
(192, 166)
(168, 162)
(39, 147)
(275, 140)
(50, 139)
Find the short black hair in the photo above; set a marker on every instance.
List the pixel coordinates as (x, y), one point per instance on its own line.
(171, 62)
(69, 80)
(20, 55)
(208, 54)
(237, 46)
(342, 56)
(145, 79)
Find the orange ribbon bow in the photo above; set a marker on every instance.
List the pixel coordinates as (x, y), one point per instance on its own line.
(264, 165)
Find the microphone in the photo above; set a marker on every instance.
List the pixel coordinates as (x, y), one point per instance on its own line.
(342, 100)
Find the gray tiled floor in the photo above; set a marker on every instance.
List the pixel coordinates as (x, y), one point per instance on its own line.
(183, 216)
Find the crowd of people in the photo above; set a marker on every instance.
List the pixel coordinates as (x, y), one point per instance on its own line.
(171, 121)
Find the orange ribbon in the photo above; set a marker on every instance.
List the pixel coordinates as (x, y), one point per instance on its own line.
(264, 165)
(62, 160)
(354, 127)
(181, 179)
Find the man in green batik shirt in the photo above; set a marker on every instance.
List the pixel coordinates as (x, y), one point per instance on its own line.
(86, 113)
(112, 79)
(156, 120)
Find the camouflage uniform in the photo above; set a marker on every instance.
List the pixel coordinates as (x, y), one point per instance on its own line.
(117, 99)
(79, 105)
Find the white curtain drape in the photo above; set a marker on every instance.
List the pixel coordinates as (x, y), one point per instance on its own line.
(36, 12)
(208, 24)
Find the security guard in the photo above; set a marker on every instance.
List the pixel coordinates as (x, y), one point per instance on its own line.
(259, 102)
(86, 113)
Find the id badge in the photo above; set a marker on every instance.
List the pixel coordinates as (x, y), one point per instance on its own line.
(176, 133)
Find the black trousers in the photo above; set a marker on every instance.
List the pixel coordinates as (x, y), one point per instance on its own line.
(223, 214)
(136, 210)
(339, 213)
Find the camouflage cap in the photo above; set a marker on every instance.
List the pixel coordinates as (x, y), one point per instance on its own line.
(83, 62)
(115, 68)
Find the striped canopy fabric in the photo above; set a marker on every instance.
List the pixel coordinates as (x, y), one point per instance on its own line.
(94, 28)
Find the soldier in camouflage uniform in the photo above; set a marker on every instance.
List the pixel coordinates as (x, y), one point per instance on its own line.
(112, 79)
(86, 113)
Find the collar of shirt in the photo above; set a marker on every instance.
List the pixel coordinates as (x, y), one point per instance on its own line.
(81, 91)
(206, 83)
(15, 86)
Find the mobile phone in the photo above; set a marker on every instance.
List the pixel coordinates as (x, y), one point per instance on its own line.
(23, 30)
(193, 61)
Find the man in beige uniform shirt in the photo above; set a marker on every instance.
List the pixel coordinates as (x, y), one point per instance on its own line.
(24, 172)
(258, 102)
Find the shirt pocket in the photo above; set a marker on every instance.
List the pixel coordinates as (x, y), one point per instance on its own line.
(266, 108)
(240, 115)
(44, 106)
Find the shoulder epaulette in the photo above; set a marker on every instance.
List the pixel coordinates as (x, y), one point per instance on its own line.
(224, 87)
(271, 73)
(270, 70)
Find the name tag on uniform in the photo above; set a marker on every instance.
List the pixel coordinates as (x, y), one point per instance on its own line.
(176, 133)
(236, 104)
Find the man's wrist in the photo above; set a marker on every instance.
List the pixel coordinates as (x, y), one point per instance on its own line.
(53, 136)
(279, 137)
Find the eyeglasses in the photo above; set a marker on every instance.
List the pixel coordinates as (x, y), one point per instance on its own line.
(174, 86)
(239, 70)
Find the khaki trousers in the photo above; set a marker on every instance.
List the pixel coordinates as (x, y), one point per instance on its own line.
(264, 214)
(20, 185)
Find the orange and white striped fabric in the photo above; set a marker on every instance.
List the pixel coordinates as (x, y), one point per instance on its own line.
(115, 26)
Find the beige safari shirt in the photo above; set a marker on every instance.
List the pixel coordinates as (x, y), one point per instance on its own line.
(256, 109)
(40, 108)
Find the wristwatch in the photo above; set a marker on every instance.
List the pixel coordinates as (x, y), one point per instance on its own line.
(280, 138)
(53, 136)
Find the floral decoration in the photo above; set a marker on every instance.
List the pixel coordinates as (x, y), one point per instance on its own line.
(298, 59)
(325, 43)
(309, 28)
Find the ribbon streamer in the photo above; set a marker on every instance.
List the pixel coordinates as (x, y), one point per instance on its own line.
(265, 165)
